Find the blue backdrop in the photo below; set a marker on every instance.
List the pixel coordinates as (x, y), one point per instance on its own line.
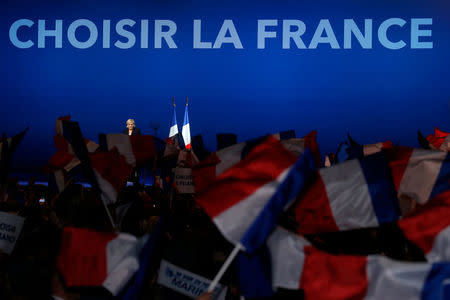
(325, 80)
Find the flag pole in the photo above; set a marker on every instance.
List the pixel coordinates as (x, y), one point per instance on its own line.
(171, 191)
(109, 214)
(225, 266)
(187, 103)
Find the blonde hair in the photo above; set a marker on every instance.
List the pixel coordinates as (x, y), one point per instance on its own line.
(130, 121)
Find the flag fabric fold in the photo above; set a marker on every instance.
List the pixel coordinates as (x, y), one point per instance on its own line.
(107, 168)
(111, 171)
(64, 135)
(440, 140)
(90, 258)
(419, 174)
(148, 261)
(77, 144)
(186, 129)
(173, 145)
(254, 273)
(218, 162)
(137, 149)
(64, 163)
(428, 227)
(173, 129)
(247, 199)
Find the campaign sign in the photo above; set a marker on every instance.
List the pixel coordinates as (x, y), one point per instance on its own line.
(10, 227)
(377, 69)
(187, 283)
(184, 180)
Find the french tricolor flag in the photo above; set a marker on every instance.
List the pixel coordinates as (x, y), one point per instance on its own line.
(419, 174)
(186, 130)
(173, 125)
(428, 227)
(72, 150)
(218, 162)
(136, 149)
(63, 137)
(298, 265)
(111, 171)
(246, 200)
(62, 143)
(354, 194)
(63, 160)
(65, 157)
(122, 154)
(91, 258)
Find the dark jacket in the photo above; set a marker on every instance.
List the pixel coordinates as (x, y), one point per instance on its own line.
(136, 131)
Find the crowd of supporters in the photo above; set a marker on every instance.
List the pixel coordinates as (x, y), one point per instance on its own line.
(30, 272)
(190, 240)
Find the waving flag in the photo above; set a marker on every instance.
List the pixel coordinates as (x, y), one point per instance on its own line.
(296, 264)
(72, 139)
(64, 135)
(111, 171)
(90, 258)
(7, 148)
(113, 167)
(254, 273)
(418, 173)
(9, 145)
(429, 228)
(218, 162)
(186, 130)
(122, 154)
(247, 199)
(62, 165)
(148, 261)
(173, 125)
(354, 194)
(106, 170)
(173, 146)
(137, 149)
(439, 140)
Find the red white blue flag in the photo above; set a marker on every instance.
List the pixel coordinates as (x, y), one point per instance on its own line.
(186, 130)
(419, 174)
(91, 258)
(354, 194)
(295, 264)
(173, 130)
(246, 200)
